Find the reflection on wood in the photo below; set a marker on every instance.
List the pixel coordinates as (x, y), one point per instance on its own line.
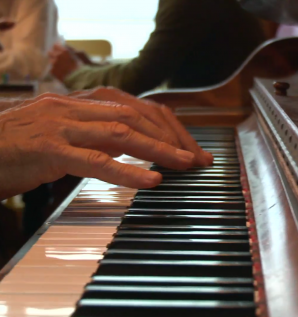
(274, 59)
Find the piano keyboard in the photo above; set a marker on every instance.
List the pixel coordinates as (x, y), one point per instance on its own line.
(182, 248)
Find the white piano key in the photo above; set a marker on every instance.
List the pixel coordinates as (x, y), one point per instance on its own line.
(26, 273)
(50, 278)
(81, 229)
(60, 287)
(84, 242)
(21, 305)
(74, 256)
(76, 235)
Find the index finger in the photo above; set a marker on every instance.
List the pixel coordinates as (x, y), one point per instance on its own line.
(90, 163)
(202, 158)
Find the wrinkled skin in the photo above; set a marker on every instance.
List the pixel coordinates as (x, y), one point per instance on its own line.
(63, 61)
(48, 137)
(160, 115)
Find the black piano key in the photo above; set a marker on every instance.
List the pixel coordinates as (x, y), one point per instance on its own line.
(168, 293)
(198, 187)
(177, 255)
(180, 244)
(156, 219)
(179, 227)
(200, 204)
(149, 308)
(212, 137)
(204, 193)
(224, 152)
(198, 171)
(148, 211)
(219, 153)
(211, 130)
(171, 280)
(189, 196)
(216, 167)
(202, 176)
(183, 234)
(218, 181)
(175, 268)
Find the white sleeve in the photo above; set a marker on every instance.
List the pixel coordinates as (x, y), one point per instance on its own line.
(33, 35)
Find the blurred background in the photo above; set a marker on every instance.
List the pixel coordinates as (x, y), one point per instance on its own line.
(126, 24)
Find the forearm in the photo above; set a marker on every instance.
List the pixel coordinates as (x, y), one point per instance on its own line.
(133, 77)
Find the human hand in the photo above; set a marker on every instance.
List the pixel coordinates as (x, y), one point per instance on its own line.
(45, 138)
(85, 59)
(63, 62)
(160, 115)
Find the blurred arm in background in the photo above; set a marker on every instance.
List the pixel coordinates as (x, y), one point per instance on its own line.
(182, 50)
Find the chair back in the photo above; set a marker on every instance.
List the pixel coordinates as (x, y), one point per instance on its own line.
(100, 48)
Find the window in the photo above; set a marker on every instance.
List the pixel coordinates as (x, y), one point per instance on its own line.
(127, 24)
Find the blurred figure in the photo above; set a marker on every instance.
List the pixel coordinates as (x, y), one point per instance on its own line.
(281, 11)
(31, 30)
(195, 43)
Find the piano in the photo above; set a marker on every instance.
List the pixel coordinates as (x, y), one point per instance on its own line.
(216, 241)
(219, 241)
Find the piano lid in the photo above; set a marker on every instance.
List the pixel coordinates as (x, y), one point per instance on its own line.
(282, 11)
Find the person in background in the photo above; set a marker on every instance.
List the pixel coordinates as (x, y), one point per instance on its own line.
(32, 32)
(196, 43)
(281, 11)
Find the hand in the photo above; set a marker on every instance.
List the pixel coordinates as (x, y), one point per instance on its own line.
(63, 62)
(160, 115)
(48, 137)
(85, 59)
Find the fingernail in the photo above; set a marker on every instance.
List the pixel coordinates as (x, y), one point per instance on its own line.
(209, 157)
(185, 155)
(153, 179)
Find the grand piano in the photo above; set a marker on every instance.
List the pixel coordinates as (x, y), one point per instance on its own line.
(217, 241)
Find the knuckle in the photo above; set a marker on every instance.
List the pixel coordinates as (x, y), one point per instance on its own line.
(96, 90)
(49, 101)
(120, 130)
(160, 147)
(126, 113)
(112, 89)
(95, 159)
(47, 95)
(47, 146)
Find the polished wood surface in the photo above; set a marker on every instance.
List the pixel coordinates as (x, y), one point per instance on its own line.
(274, 59)
(276, 229)
(204, 116)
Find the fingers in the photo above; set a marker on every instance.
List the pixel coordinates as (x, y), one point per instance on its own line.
(85, 110)
(148, 109)
(202, 158)
(56, 50)
(120, 138)
(90, 163)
